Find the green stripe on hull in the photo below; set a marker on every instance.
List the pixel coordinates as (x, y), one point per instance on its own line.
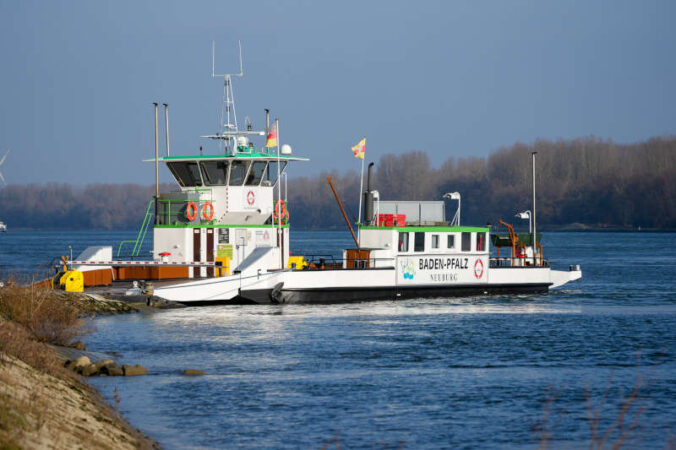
(445, 229)
(219, 226)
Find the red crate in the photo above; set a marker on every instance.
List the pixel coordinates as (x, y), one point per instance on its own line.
(399, 220)
(385, 220)
(391, 220)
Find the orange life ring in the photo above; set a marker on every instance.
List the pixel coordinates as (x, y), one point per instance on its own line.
(281, 212)
(210, 206)
(191, 211)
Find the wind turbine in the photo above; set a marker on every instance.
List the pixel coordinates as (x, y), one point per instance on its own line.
(2, 161)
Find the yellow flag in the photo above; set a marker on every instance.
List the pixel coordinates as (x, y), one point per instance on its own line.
(359, 149)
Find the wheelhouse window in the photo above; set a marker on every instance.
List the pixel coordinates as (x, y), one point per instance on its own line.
(238, 172)
(435, 241)
(214, 173)
(187, 174)
(466, 242)
(480, 242)
(450, 241)
(419, 245)
(270, 177)
(403, 242)
(256, 173)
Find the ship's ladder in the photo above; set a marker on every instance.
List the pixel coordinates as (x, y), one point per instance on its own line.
(138, 243)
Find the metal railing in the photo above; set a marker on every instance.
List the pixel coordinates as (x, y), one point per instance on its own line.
(140, 237)
(515, 262)
(175, 212)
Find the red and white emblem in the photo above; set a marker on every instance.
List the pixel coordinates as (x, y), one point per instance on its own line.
(250, 198)
(478, 268)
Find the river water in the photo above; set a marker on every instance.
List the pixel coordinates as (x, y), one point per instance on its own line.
(480, 372)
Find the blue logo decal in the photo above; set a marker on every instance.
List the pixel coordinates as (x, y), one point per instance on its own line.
(408, 269)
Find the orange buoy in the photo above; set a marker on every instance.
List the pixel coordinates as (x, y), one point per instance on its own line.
(191, 211)
(281, 212)
(210, 207)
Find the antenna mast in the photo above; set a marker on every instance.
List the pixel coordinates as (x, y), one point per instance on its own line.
(228, 130)
(228, 124)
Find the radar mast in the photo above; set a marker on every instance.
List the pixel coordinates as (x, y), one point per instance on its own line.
(228, 130)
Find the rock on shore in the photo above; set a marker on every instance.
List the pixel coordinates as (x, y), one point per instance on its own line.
(105, 367)
(103, 303)
(94, 304)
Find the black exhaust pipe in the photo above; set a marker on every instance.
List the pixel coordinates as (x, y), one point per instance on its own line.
(368, 200)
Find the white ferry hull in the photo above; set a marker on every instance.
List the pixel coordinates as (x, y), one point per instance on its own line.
(344, 285)
(215, 290)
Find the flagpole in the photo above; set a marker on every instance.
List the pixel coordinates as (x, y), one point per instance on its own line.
(280, 238)
(267, 150)
(361, 188)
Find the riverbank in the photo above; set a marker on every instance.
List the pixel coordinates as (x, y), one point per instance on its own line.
(43, 404)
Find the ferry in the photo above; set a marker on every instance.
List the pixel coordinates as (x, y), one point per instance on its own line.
(404, 250)
(3, 227)
(223, 237)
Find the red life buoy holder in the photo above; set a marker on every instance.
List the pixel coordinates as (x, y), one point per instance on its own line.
(281, 212)
(478, 268)
(191, 211)
(208, 206)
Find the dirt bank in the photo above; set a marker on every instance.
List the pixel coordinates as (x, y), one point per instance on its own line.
(43, 404)
(38, 410)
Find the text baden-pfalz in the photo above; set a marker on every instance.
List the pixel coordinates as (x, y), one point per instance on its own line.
(443, 263)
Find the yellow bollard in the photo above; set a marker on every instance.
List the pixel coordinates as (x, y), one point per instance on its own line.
(72, 281)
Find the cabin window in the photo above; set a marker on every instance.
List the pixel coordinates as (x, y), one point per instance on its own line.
(215, 173)
(435, 241)
(466, 242)
(419, 245)
(450, 241)
(403, 242)
(480, 242)
(256, 173)
(238, 172)
(271, 173)
(186, 173)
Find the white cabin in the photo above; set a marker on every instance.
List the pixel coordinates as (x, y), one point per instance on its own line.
(223, 212)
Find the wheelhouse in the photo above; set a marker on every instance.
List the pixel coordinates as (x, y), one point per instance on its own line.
(224, 210)
(227, 170)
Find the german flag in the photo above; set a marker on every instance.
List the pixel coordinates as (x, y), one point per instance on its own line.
(272, 135)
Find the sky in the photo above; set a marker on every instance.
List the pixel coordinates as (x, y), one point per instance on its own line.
(451, 78)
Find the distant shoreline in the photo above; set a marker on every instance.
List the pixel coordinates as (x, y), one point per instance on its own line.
(582, 184)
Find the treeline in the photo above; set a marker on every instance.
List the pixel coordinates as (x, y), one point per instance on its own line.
(62, 206)
(582, 182)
